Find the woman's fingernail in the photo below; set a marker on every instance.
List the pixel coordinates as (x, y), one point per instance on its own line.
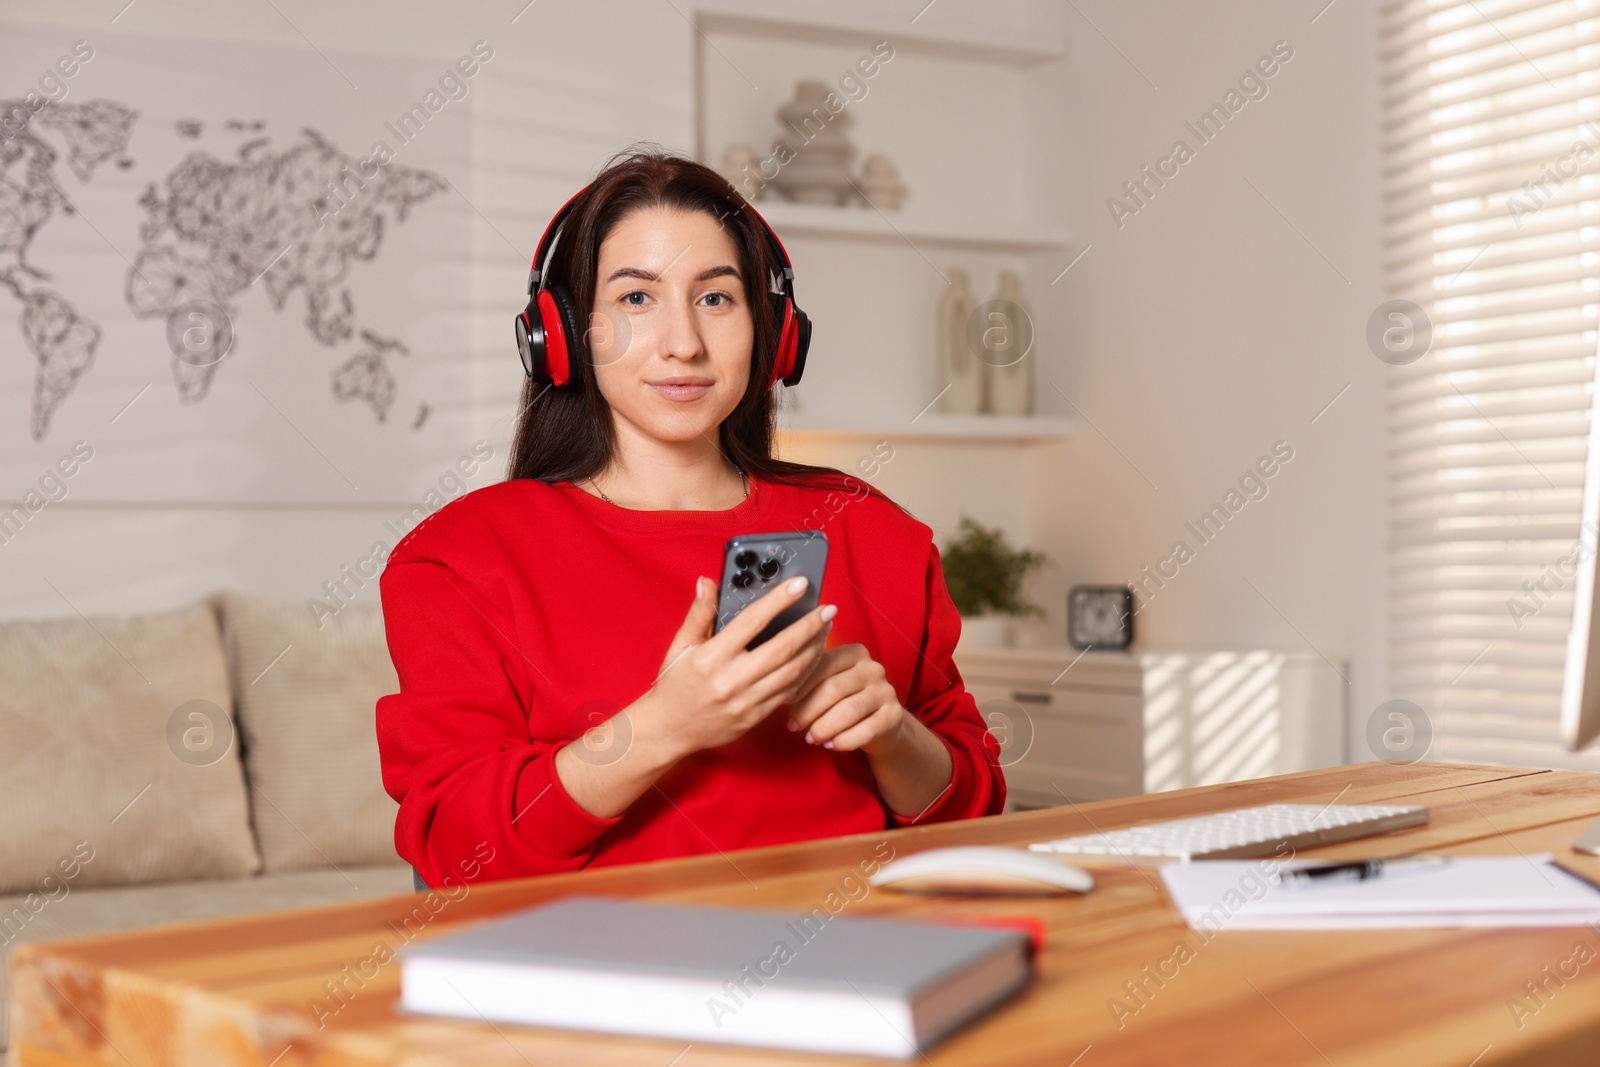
(793, 726)
(797, 584)
(829, 611)
(827, 744)
(809, 739)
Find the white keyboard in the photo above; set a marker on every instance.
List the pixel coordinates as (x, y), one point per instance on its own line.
(1245, 832)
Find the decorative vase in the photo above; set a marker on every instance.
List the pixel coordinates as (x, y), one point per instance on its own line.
(881, 186)
(959, 367)
(739, 165)
(985, 631)
(813, 154)
(1009, 370)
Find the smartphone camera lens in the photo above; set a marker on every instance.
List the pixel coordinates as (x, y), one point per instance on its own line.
(745, 560)
(741, 579)
(768, 567)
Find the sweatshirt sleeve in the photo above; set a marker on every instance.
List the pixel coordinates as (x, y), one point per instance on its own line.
(939, 699)
(479, 797)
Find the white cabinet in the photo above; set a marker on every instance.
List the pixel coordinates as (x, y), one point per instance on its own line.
(1108, 724)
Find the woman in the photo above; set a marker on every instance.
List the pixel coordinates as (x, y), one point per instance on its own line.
(562, 701)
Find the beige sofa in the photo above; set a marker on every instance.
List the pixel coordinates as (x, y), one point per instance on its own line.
(213, 760)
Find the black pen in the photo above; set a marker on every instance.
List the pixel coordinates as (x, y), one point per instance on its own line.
(1358, 870)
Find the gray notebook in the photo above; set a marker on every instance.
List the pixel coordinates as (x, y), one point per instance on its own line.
(814, 981)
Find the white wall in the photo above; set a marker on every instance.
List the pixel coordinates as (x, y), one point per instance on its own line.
(1190, 340)
(1210, 326)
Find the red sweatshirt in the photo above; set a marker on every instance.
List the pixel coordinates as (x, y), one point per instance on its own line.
(523, 613)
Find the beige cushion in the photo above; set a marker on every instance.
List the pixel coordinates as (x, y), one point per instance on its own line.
(86, 712)
(306, 696)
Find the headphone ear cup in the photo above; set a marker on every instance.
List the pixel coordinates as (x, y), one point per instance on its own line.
(559, 318)
(530, 340)
(783, 361)
(802, 345)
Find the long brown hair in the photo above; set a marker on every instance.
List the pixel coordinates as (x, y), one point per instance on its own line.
(566, 434)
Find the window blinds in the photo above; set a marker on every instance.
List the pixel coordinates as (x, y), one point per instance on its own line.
(1492, 226)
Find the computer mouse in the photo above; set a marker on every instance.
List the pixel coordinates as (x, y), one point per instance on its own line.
(982, 869)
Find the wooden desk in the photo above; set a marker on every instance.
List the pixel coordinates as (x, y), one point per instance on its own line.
(240, 992)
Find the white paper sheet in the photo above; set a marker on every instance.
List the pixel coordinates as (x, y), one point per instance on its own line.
(1216, 895)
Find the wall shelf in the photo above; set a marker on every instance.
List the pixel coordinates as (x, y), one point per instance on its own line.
(967, 210)
(934, 426)
(865, 222)
(837, 23)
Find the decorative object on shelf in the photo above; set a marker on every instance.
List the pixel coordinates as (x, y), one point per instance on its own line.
(984, 576)
(739, 165)
(1100, 616)
(880, 184)
(814, 156)
(959, 367)
(1005, 340)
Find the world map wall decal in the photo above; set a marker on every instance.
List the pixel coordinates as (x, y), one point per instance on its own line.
(268, 218)
(234, 295)
(61, 339)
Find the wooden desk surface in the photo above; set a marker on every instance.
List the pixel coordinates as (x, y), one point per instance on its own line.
(241, 992)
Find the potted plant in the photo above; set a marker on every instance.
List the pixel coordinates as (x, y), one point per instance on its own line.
(984, 575)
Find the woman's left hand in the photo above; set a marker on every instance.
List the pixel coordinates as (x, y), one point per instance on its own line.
(847, 703)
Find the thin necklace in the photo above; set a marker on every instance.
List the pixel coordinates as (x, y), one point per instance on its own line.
(743, 480)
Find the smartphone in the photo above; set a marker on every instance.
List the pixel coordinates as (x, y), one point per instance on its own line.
(753, 563)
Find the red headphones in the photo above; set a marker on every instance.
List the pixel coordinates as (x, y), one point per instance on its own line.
(548, 324)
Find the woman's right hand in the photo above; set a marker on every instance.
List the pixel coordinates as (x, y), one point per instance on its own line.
(711, 690)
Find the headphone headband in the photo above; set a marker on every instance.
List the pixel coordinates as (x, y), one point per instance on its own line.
(535, 273)
(552, 233)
